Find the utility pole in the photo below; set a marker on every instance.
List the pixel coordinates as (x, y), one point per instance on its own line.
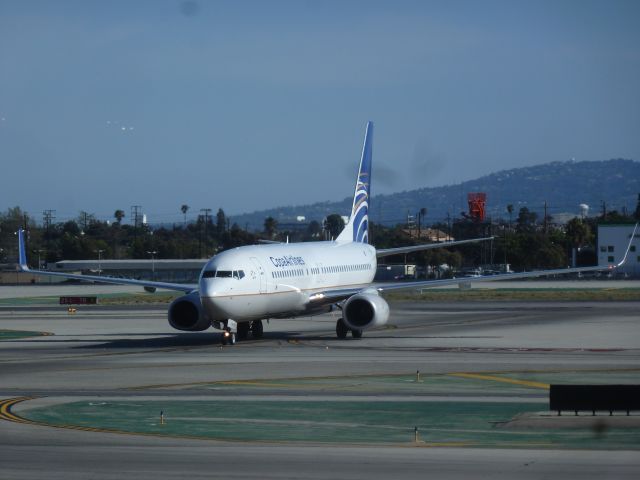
(199, 236)
(206, 211)
(47, 217)
(604, 210)
(99, 252)
(411, 222)
(545, 222)
(153, 263)
(136, 211)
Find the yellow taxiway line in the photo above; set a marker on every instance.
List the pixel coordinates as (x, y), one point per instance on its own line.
(515, 381)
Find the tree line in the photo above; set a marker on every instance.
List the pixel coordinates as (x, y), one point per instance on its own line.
(525, 242)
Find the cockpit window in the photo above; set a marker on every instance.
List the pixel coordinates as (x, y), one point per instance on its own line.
(238, 274)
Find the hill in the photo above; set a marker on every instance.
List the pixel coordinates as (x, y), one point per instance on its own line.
(563, 185)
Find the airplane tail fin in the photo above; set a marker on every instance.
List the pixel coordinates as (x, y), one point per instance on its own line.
(357, 228)
(22, 255)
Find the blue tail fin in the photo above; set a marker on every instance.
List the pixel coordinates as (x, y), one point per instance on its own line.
(357, 229)
(22, 256)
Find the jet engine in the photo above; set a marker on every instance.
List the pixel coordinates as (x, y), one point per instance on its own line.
(186, 313)
(365, 310)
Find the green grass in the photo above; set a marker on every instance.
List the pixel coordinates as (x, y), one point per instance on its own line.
(369, 421)
(142, 298)
(16, 334)
(349, 422)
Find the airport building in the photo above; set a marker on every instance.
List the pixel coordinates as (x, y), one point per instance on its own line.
(612, 245)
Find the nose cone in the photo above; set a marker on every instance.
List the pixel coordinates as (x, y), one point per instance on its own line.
(213, 308)
(216, 295)
(208, 287)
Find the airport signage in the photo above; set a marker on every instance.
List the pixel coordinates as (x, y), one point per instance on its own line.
(92, 300)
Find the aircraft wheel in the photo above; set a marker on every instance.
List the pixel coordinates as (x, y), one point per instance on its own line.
(243, 330)
(356, 333)
(224, 339)
(257, 329)
(341, 329)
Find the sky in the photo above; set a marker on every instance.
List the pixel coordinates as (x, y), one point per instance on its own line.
(245, 105)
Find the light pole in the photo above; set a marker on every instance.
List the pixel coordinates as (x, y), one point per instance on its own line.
(39, 252)
(99, 252)
(153, 263)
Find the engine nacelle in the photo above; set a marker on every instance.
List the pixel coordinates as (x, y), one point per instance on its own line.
(365, 310)
(186, 313)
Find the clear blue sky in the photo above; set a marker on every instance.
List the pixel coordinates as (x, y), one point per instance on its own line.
(246, 105)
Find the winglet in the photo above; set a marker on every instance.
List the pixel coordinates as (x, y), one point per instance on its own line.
(22, 254)
(626, 254)
(357, 229)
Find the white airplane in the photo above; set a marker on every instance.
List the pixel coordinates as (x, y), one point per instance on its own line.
(239, 288)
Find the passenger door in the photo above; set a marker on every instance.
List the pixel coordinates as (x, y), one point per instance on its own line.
(260, 273)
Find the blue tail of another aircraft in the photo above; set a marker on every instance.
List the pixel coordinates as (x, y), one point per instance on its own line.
(357, 229)
(22, 255)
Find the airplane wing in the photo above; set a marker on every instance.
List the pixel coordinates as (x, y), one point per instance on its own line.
(23, 267)
(337, 295)
(384, 252)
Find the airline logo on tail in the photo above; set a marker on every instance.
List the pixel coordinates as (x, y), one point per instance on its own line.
(360, 212)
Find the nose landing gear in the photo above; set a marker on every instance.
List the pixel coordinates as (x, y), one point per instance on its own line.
(232, 330)
(228, 338)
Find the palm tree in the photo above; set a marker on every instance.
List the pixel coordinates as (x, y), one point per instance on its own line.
(270, 226)
(510, 210)
(119, 215)
(421, 215)
(184, 209)
(333, 224)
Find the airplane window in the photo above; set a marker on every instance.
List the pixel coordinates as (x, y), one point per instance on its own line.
(240, 273)
(223, 274)
(208, 274)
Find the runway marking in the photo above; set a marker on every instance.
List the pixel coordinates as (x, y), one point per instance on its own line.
(5, 410)
(515, 381)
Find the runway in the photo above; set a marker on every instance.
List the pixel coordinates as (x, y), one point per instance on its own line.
(476, 354)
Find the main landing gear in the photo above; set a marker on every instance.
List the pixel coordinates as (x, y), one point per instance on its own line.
(342, 330)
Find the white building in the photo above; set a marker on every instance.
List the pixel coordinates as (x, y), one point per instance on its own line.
(612, 245)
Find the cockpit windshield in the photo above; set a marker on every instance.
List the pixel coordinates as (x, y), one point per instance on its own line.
(237, 274)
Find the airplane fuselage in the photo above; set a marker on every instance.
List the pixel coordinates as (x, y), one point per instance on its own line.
(277, 280)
